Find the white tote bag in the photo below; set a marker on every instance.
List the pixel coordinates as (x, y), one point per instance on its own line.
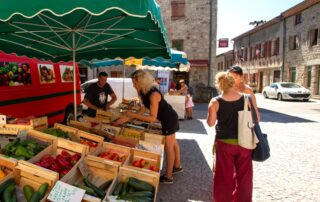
(246, 135)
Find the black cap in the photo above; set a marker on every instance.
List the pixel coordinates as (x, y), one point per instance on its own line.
(103, 74)
(236, 70)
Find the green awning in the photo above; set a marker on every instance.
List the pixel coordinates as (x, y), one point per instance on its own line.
(94, 29)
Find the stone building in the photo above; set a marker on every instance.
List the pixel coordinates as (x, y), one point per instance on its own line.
(188, 23)
(259, 52)
(224, 61)
(302, 45)
(286, 48)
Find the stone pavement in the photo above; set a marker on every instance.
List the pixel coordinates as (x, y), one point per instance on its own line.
(291, 174)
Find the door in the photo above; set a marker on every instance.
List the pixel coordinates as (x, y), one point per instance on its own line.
(318, 80)
(261, 82)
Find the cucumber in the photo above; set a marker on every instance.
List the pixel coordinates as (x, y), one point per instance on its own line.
(117, 190)
(131, 190)
(105, 185)
(4, 185)
(141, 194)
(98, 191)
(43, 189)
(36, 197)
(140, 185)
(14, 196)
(136, 198)
(124, 189)
(28, 191)
(88, 190)
(7, 194)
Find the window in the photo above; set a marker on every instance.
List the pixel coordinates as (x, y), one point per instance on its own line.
(276, 76)
(245, 54)
(250, 56)
(14, 74)
(177, 44)
(294, 42)
(313, 37)
(227, 64)
(309, 69)
(269, 48)
(116, 74)
(292, 74)
(298, 19)
(177, 9)
(276, 46)
(265, 49)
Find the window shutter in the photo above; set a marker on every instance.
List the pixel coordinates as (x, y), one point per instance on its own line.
(277, 46)
(250, 56)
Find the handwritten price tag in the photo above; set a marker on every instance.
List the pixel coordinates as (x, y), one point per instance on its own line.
(22, 134)
(63, 192)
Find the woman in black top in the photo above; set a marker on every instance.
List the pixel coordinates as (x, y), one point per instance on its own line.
(160, 110)
(233, 167)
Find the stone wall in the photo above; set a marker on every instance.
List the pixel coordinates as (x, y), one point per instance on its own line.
(305, 55)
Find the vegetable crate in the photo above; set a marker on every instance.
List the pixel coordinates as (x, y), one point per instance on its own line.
(101, 174)
(154, 148)
(91, 140)
(27, 146)
(62, 157)
(72, 132)
(7, 168)
(26, 174)
(144, 161)
(154, 128)
(112, 152)
(143, 181)
(125, 141)
(132, 133)
(109, 131)
(13, 129)
(153, 138)
(89, 127)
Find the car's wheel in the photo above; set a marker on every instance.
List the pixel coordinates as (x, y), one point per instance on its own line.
(279, 97)
(265, 95)
(69, 115)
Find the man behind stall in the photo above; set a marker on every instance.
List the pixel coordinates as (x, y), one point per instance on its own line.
(97, 95)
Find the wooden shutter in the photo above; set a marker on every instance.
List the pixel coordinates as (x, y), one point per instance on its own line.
(269, 48)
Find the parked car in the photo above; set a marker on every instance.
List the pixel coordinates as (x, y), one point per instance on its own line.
(117, 84)
(32, 87)
(286, 91)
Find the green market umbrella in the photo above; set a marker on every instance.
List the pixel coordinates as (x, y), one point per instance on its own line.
(62, 30)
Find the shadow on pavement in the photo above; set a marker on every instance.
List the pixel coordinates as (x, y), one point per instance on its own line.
(192, 126)
(272, 116)
(195, 183)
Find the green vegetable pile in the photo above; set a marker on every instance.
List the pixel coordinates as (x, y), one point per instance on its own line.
(57, 132)
(23, 150)
(93, 190)
(134, 190)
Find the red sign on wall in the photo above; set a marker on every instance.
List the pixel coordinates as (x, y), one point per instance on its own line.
(224, 43)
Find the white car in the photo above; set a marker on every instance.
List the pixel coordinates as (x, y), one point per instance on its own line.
(286, 91)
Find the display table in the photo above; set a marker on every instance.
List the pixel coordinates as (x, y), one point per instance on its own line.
(178, 104)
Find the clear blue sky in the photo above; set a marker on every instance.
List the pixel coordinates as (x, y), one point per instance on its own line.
(234, 15)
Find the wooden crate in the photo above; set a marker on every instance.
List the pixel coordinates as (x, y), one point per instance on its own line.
(132, 133)
(91, 137)
(26, 174)
(153, 138)
(39, 123)
(100, 172)
(7, 165)
(84, 126)
(153, 159)
(125, 141)
(41, 138)
(13, 129)
(72, 132)
(57, 148)
(109, 146)
(154, 148)
(125, 173)
(109, 131)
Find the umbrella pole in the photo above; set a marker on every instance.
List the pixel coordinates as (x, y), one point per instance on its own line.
(74, 75)
(123, 76)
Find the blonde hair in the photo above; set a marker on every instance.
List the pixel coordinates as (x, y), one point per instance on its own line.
(224, 81)
(144, 79)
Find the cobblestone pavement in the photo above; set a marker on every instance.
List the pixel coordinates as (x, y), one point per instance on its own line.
(291, 174)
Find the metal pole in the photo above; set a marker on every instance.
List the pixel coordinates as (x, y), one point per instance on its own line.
(74, 75)
(210, 47)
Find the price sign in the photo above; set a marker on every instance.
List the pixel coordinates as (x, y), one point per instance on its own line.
(63, 192)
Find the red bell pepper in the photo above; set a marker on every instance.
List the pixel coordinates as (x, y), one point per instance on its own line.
(62, 161)
(75, 158)
(66, 155)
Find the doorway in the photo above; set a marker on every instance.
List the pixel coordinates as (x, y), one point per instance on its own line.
(261, 82)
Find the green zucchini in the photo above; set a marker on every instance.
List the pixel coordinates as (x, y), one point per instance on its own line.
(136, 198)
(106, 185)
(36, 197)
(28, 191)
(140, 185)
(7, 194)
(88, 190)
(7, 183)
(141, 194)
(124, 189)
(117, 189)
(43, 189)
(98, 191)
(131, 190)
